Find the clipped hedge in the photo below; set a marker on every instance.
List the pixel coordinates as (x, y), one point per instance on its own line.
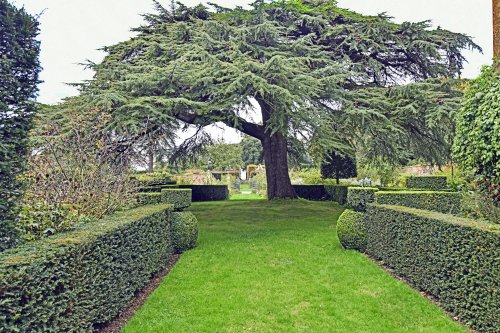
(72, 281)
(184, 231)
(311, 192)
(337, 193)
(208, 192)
(443, 202)
(148, 198)
(179, 198)
(454, 259)
(359, 197)
(351, 230)
(427, 182)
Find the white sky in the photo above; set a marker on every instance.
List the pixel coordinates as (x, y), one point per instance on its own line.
(73, 30)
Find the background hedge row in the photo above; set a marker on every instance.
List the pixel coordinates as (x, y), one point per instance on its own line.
(359, 197)
(180, 198)
(427, 182)
(454, 259)
(208, 192)
(443, 202)
(336, 193)
(75, 280)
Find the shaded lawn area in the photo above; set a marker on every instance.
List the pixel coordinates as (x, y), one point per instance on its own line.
(278, 267)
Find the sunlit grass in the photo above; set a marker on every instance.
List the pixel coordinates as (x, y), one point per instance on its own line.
(277, 266)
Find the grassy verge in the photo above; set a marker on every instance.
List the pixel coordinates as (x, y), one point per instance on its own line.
(278, 267)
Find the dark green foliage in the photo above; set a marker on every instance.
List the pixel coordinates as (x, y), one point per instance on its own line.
(477, 141)
(180, 198)
(19, 68)
(427, 182)
(149, 198)
(311, 192)
(208, 192)
(315, 70)
(443, 202)
(154, 188)
(184, 231)
(337, 193)
(453, 259)
(351, 230)
(359, 197)
(75, 280)
(251, 151)
(337, 167)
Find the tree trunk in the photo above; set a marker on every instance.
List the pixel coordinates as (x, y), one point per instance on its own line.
(151, 160)
(496, 32)
(276, 161)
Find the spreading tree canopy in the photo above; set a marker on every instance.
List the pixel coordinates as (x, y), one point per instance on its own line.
(19, 68)
(316, 72)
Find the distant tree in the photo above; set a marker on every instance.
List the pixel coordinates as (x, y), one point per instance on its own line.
(337, 166)
(305, 63)
(251, 151)
(19, 68)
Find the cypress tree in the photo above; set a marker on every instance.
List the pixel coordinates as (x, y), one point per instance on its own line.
(19, 68)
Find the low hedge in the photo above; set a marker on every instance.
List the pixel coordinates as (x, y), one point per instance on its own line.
(184, 231)
(351, 230)
(72, 281)
(148, 198)
(454, 259)
(427, 182)
(179, 198)
(311, 192)
(359, 197)
(208, 192)
(443, 202)
(337, 193)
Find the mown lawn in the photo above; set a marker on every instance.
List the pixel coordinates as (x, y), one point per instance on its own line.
(278, 267)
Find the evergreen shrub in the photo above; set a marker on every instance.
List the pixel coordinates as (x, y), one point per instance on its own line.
(337, 193)
(311, 192)
(455, 260)
(351, 230)
(427, 182)
(73, 281)
(179, 198)
(149, 198)
(359, 197)
(443, 202)
(184, 231)
(208, 192)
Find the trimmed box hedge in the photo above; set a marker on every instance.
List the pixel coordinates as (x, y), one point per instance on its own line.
(179, 198)
(184, 231)
(455, 260)
(149, 198)
(351, 230)
(311, 192)
(443, 202)
(427, 182)
(359, 197)
(208, 192)
(73, 281)
(337, 193)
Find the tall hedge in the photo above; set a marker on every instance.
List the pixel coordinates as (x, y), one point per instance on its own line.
(477, 141)
(454, 259)
(208, 192)
(73, 281)
(19, 68)
(443, 202)
(427, 182)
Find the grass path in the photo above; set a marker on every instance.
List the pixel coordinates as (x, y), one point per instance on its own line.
(278, 267)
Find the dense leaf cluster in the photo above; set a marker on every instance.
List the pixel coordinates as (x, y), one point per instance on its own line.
(19, 68)
(453, 259)
(74, 281)
(477, 141)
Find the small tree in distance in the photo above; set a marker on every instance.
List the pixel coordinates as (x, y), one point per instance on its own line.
(337, 166)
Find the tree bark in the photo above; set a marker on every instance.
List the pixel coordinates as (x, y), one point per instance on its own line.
(151, 159)
(496, 32)
(276, 161)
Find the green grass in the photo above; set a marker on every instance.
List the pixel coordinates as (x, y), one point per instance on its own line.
(278, 266)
